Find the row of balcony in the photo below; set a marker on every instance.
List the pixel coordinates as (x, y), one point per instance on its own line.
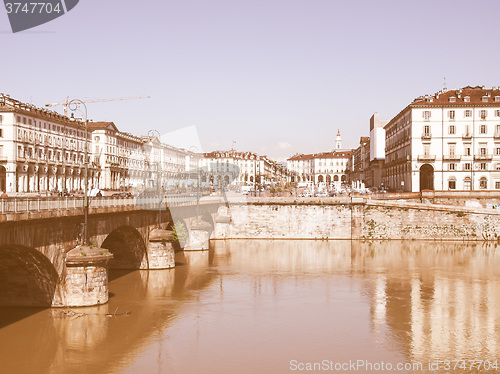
(484, 157)
(48, 143)
(428, 136)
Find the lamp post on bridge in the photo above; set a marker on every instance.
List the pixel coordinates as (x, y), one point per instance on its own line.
(152, 134)
(73, 105)
(198, 189)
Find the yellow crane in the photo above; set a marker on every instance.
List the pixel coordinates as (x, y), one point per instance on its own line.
(66, 101)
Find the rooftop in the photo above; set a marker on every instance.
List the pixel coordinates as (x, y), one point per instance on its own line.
(462, 97)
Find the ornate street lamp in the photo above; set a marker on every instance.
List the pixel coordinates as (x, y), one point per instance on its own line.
(198, 190)
(74, 105)
(157, 164)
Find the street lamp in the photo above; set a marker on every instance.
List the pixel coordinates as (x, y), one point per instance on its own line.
(152, 134)
(73, 105)
(198, 190)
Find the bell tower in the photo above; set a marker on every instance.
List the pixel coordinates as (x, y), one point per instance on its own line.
(338, 141)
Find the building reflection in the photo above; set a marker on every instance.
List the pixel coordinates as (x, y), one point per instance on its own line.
(440, 300)
(437, 300)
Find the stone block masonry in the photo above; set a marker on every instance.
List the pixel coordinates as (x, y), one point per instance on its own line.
(86, 284)
(365, 220)
(161, 252)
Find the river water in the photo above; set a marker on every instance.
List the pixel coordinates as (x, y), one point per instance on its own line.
(261, 306)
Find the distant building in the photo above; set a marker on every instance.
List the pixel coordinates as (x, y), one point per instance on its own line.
(222, 168)
(359, 170)
(377, 152)
(118, 158)
(446, 141)
(324, 170)
(368, 158)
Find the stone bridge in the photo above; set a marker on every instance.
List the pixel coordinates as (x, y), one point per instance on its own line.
(42, 262)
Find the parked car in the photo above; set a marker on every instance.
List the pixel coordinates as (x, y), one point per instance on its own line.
(122, 194)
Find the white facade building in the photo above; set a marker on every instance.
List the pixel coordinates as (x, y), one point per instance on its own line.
(447, 141)
(324, 170)
(42, 150)
(242, 169)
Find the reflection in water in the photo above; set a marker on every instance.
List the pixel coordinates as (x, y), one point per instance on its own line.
(253, 306)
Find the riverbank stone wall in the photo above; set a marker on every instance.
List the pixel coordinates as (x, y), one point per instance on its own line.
(365, 220)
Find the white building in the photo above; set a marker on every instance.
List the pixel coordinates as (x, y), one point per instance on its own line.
(324, 170)
(175, 167)
(119, 158)
(40, 150)
(242, 168)
(446, 141)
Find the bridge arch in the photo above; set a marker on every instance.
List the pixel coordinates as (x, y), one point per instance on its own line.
(27, 278)
(128, 249)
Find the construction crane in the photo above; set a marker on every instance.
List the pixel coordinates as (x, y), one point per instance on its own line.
(66, 101)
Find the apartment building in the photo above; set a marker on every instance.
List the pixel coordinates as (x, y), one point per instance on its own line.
(119, 158)
(326, 169)
(368, 159)
(173, 167)
(40, 150)
(242, 168)
(446, 141)
(359, 170)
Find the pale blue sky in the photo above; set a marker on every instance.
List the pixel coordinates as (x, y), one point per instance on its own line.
(276, 76)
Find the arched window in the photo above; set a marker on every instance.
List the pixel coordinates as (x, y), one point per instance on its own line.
(335, 178)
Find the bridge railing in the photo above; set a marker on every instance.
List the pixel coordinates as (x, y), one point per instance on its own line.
(30, 204)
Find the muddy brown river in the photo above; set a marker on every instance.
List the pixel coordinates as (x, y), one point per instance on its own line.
(291, 306)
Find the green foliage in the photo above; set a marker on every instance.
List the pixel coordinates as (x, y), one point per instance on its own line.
(180, 233)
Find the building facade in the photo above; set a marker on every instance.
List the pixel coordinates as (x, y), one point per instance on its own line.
(369, 158)
(44, 151)
(40, 150)
(446, 141)
(222, 168)
(359, 170)
(326, 170)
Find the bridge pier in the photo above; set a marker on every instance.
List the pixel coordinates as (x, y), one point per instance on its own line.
(161, 252)
(221, 227)
(85, 282)
(199, 237)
